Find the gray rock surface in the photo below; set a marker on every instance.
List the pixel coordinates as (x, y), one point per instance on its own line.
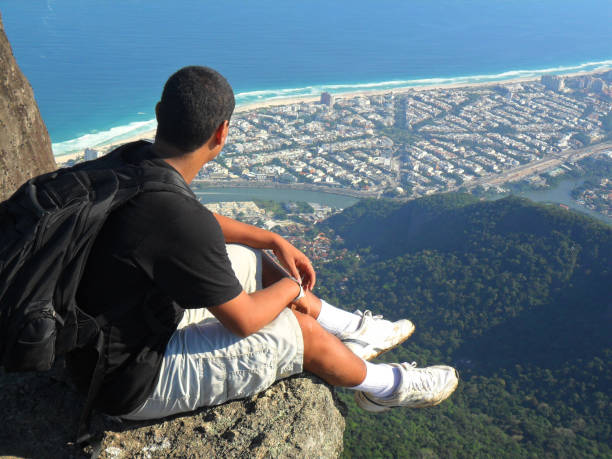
(25, 147)
(296, 417)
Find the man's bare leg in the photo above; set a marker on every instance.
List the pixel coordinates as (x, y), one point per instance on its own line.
(324, 354)
(327, 357)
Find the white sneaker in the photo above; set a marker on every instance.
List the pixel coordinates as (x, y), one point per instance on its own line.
(419, 388)
(376, 335)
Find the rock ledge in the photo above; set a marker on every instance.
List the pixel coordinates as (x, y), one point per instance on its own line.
(296, 417)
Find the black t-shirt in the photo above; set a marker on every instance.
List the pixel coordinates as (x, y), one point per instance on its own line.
(159, 253)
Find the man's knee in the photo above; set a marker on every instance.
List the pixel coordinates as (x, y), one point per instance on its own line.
(315, 337)
(307, 323)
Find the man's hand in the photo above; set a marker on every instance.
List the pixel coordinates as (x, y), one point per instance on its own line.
(295, 262)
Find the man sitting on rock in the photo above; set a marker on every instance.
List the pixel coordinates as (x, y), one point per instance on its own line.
(167, 260)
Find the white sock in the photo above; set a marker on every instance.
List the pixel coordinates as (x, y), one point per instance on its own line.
(336, 320)
(381, 380)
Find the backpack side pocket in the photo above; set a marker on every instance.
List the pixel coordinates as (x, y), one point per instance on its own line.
(34, 345)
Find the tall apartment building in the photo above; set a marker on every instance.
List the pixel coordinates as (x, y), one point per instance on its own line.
(327, 99)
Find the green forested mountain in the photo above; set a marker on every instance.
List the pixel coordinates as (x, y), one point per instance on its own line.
(516, 295)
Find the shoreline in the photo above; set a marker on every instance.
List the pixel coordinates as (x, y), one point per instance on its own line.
(403, 89)
(106, 146)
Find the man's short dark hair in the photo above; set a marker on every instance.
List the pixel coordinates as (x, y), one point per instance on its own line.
(194, 103)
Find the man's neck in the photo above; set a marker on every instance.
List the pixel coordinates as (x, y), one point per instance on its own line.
(186, 164)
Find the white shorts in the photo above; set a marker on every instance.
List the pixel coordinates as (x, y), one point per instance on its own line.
(206, 365)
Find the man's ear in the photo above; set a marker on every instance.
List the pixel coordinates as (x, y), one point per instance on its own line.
(221, 132)
(157, 110)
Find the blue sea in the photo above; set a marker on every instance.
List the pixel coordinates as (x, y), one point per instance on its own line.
(98, 66)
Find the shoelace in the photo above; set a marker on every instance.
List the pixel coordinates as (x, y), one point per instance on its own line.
(423, 380)
(366, 316)
(368, 313)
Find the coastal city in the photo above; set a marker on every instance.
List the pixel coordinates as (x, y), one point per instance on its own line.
(418, 142)
(413, 142)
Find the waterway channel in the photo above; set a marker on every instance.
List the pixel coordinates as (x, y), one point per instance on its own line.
(560, 194)
(336, 201)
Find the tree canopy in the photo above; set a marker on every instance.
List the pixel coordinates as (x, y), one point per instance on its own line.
(515, 295)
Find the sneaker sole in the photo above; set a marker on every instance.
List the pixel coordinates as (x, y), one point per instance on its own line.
(371, 406)
(368, 405)
(376, 353)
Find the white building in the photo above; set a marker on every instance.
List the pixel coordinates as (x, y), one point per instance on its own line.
(90, 154)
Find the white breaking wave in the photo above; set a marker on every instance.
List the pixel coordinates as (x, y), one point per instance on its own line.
(243, 98)
(103, 137)
(265, 94)
(255, 96)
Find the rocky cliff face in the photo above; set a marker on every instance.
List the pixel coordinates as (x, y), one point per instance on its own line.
(25, 147)
(297, 417)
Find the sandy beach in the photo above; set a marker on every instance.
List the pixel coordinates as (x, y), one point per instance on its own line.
(108, 146)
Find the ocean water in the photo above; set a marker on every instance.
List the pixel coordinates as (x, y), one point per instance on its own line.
(98, 66)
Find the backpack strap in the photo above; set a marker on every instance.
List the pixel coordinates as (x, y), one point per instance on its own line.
(166, 180)
(136, 179)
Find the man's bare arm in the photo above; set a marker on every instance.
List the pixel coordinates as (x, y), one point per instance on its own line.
(248, 313)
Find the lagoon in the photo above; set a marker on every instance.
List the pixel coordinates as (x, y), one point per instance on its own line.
(559, 194)
(336, 201)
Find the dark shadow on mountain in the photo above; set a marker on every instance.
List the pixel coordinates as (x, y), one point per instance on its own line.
(450, 222)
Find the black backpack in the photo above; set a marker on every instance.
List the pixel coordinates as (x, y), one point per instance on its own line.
(47, 229)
